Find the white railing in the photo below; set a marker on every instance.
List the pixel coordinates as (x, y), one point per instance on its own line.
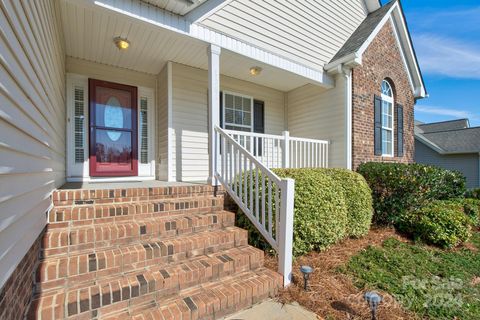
(265, 199)
(283, 151)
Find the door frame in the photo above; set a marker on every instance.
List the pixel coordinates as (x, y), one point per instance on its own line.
(80, 171)
(92, 84)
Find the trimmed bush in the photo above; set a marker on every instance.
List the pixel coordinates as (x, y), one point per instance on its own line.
(358, 198)
(473, 193)
(441, 223)
(398, 188)
(330, 205)
(320, 211)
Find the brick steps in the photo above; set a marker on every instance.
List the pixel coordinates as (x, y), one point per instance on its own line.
(156, 283)
(80, 238)
(211, 301)
(72, 215)
(99, 196)
(94, 264)
(146, 253)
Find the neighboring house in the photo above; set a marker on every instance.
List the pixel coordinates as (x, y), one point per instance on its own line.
(452, 145)
(137, 92)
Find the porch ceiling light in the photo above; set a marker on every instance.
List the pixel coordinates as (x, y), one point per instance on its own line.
(255, 71)
(121, 43)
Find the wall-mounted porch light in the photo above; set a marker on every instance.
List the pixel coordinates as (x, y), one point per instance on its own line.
(255, 71)
(121, 43)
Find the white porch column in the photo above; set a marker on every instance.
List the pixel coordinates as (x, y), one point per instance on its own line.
(213, 52)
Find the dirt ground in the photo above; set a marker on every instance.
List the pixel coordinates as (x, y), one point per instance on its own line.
(332, 295)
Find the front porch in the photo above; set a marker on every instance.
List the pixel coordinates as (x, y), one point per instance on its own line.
(184, 87)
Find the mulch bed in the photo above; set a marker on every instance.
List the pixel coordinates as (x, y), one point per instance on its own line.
(332, 295)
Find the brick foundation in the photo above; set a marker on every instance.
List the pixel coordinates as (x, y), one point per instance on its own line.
(382, 60)
(17, 291)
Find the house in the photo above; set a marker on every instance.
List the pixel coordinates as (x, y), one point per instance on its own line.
(123, 122)
(452, 145)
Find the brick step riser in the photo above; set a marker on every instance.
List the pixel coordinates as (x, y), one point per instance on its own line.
(86, 268)
(215, 303)
(61, 241)
(81, 215)
(157, 285)
(71, 197)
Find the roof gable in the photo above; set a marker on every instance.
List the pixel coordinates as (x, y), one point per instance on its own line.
(350, 55)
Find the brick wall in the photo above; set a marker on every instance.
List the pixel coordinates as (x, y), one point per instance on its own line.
(382, 60)
(17, 291)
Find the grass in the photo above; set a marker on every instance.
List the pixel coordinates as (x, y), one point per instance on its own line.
(433, 283)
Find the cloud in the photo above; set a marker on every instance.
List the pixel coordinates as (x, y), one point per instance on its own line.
(450, 112)
(448, 57)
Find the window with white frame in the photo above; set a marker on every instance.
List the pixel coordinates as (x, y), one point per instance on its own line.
(237, 112)
(387, 119)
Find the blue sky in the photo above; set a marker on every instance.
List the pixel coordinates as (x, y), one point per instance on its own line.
(446, 35)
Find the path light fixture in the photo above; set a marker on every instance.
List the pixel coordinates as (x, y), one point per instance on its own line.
(306, 271)
(373, 299)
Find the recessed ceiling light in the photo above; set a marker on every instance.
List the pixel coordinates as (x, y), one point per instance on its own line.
(255, 71)
(121, 43)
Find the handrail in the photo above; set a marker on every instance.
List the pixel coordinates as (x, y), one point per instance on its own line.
(265, 198)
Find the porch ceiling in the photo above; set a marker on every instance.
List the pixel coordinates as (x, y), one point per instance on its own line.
(89, 33)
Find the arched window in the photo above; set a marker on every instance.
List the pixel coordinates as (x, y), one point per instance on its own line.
(387, 119)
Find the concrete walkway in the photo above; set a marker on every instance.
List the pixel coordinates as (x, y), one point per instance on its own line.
(273, 310)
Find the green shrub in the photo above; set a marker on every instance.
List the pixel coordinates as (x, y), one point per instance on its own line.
(320, 218)
(358, 198)
(471, 207)
(398, 188)
(473, 193)
(441, 223)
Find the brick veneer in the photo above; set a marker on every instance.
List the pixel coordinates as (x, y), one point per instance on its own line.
(17, 291)
(382, 60)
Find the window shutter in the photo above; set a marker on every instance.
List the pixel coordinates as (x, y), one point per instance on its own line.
(221, 110)
(143, 130)
(79, 124)
(378, 125)
(258, 123)
(399, 115)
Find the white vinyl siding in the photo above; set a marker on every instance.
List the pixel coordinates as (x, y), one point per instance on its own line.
(320, 114)
(190, 118)
(32, 123)
(309, 32)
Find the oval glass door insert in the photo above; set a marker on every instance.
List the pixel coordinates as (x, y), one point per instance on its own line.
(113, 117)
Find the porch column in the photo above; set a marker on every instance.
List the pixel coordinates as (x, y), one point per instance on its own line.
(213, 52)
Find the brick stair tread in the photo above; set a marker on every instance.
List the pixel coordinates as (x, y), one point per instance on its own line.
(158, 282)
(109, 211)
(92, 236)
(130, 194)
(54, 271)
(213, 300)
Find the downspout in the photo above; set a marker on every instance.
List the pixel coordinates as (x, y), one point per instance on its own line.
(347, 74)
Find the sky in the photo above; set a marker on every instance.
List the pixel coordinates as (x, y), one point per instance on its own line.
(446, 36)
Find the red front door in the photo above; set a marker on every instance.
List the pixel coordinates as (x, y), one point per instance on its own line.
(113, 129)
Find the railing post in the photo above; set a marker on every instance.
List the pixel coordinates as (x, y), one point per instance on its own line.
(285, 235)
(286, 150)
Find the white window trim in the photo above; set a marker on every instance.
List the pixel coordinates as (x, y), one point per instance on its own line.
(392, 129)
(146, 169)
(251, 109)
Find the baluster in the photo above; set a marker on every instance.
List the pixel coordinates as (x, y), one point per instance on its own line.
(257, 212)
(263, 201)
(245, 178)
(251, 187)
(222, 155)
(240, 178)
(270, 207)
(277, 210)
